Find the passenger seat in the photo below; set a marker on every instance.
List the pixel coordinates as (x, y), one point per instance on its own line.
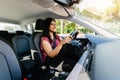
(21, 44)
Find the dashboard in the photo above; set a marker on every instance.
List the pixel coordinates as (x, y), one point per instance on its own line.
(95, 63)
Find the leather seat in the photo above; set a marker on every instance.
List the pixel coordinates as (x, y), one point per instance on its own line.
(9, 65)
(35, 37)
(21, 45)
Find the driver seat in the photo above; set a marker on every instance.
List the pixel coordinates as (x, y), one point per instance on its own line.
(36, 36)
(37, 55)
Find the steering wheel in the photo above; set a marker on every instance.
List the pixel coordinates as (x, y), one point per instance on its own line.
(75, 42)
(74, 34)
(74, 48)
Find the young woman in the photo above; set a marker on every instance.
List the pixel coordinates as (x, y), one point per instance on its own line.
(51, 45)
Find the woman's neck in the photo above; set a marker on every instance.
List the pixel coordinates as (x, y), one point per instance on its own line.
(51, 35)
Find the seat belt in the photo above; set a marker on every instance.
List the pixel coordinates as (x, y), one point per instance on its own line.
(54, 43)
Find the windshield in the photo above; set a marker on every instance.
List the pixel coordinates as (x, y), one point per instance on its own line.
(104, 13)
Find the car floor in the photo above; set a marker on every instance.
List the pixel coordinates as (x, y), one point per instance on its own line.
(39, 74)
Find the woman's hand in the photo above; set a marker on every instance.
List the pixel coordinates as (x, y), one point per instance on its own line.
(66, 40)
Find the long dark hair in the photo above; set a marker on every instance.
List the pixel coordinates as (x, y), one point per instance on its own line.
(46, 30)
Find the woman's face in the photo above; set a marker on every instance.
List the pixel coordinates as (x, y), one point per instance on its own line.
(52, 27)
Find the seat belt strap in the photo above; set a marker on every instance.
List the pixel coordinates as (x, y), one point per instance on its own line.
(54, 43)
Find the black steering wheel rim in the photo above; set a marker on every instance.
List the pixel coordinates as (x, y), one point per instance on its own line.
(74, 34)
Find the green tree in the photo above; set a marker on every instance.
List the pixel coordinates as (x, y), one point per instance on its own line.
(69, 27)
(85, 30)
(58, 23)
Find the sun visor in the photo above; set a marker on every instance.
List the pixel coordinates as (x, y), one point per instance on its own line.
(52, 6)
(59, 10)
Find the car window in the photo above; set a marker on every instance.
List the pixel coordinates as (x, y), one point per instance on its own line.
(65, 27)
(9, 27)
(14, 27)
(104, 13)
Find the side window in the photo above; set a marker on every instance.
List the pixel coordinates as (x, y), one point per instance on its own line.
(27, 28)
(14, 27)
(9, 27)
(65, 27)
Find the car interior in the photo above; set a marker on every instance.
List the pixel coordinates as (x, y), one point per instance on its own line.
(24, 58)
(20, 55)
(10, 67)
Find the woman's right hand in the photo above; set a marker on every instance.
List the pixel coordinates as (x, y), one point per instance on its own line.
(66, 40)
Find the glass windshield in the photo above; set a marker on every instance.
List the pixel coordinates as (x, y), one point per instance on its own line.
(65, 27)
(104, 13)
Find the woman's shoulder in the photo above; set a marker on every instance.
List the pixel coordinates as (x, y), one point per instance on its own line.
(44, 38)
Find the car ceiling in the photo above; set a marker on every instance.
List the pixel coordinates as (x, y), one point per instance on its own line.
(26, 11)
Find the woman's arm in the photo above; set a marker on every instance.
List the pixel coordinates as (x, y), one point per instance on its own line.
(54, 52)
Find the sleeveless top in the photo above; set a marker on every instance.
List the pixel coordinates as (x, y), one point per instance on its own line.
(53, 44)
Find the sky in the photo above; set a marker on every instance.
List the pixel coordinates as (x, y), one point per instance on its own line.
(100, 5)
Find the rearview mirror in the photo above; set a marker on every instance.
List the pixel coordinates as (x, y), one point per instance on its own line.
(66, 3)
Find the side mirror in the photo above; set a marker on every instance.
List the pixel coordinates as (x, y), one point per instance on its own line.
(66, 3)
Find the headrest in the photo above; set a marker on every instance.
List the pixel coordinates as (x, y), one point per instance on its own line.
(39, 24)
(3, 32)
(20, 32)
